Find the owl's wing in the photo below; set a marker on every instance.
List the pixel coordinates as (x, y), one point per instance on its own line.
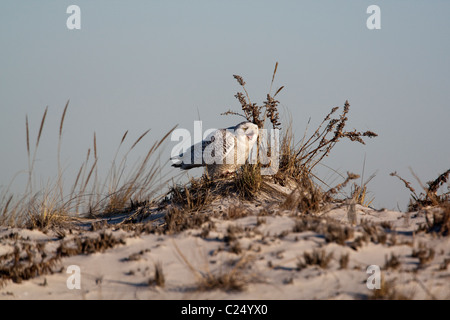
(220, 147)
(217, 148)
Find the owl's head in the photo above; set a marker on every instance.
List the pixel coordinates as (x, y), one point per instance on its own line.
(248, 131)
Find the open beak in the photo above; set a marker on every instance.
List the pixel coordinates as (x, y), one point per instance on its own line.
(250, 136)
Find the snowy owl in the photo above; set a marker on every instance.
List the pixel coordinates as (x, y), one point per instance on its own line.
(221, 152)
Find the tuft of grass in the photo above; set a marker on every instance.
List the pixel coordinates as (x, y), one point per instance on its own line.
(440, 223)
(248, 180)
(360, 195)
(359, 192)
(424, 254)
(388, 291)
(344, 260)
(195, 195)
(373, 232)
(308, 223)
(45, 212)
(299, 160)
(29, 260)
(429, 196)
(177, 220)
(337, 233)
(25, 262)
(307, 197)
(392, 263)
(158, 277)
(231, 280)
(88, 193)
(236, 212)
(444, 265)
(333, 232)
(315, 258)
(88, 245)
(350, 176)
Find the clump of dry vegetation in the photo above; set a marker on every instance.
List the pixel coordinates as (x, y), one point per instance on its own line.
(177, 220)
(424, 254)
(439, 223)
(25, 262)
(195, 195)
(88, 245)
(296, 160)
(248, 180)
(258, 114)
(338, 233)
(393, 262)
(226, 281)
(389, 291)
(233, 278)
(344, 261)
(315, 258)
(56, 202)
(307, 197)
(29, 260)
(429, 196)
(158, 278)
(332, 231)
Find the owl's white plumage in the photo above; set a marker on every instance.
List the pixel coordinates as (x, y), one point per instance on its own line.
(221, 152)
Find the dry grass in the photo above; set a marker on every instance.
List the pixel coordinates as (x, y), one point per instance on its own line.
(195, 195)
(343, 261)
(373, 232)
(25, 262)
(392, 263)
(440, 223)
(315, 258)
(429, 196)
(307, 197)
(388, 291)
(177, 220)
(88, 193)
(332, 231)
(88, 245)
(296, 160)
(29, 260)
(236, 212)
(424, 254)
(258, 114)
(360, 195)
(308, 224)
(248, 181)
(229, 280)
(158, 277)
(337, 233)
(225, 281)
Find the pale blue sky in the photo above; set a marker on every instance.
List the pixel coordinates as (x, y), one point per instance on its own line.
(138, 65)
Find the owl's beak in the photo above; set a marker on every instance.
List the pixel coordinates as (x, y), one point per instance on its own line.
(250, 135)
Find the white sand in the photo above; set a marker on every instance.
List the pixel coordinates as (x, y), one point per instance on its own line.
(268, 262)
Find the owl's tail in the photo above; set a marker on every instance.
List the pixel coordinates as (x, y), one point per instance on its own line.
(185, 166)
